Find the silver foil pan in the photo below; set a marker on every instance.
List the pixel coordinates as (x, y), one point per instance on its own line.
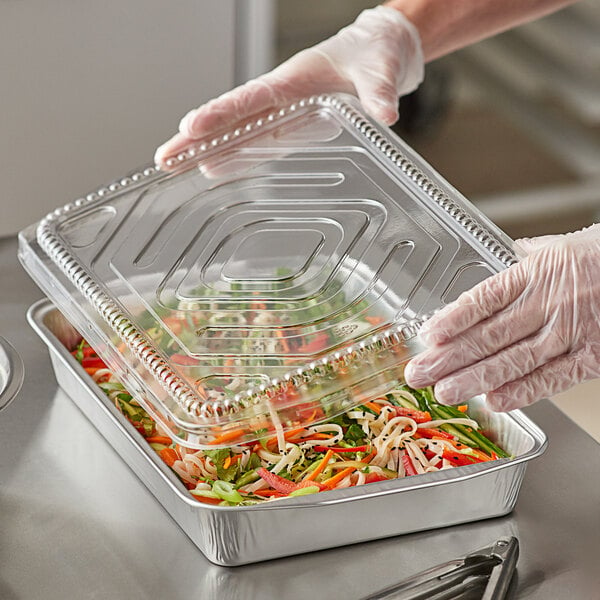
(233, 536)
(11, 373)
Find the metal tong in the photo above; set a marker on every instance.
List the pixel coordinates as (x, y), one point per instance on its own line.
(484, 574)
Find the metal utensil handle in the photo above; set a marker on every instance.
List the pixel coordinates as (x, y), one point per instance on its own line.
(508, 550)
(489, 570)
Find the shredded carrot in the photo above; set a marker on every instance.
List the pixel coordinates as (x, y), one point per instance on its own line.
(333, 481)
(314, 474)
(159, 439)
(91, 370)
(370, 457)
(169, 455)
(481, 455)
(227, 462)
(373, 406)
(463, 408)
(320, 436)
(312, 417)
(229, 436)
(288, 435)
(292, 433)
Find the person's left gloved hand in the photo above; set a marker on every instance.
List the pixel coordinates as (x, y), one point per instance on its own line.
(378, 58)
(526, 333)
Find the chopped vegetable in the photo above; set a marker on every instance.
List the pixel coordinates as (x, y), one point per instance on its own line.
(338, 450)
(226, 491)
(321, 466)
(408, 465)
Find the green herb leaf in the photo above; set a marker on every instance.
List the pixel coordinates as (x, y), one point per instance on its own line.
(218, 457)
(253, 462)
(355, 435)
(79, 353)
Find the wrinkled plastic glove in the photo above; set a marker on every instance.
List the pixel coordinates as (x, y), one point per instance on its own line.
(377, 58)
(526, 333)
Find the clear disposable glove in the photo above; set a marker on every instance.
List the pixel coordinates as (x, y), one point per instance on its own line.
(377, 58)
(527, 333)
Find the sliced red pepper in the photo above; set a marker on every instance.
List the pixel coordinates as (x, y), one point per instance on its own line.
(335, 449)
(269, 493)
(88, 351)
(432, 433)
(418, 416)
(285, 486)
(93, 362)
(207, 499)
(373, 477)
(431, 455)
(408, 465)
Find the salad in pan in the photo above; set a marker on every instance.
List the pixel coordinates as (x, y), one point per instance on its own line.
(224, 344)
(402, 433)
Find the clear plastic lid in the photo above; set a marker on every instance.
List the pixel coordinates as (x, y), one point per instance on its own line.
(275, 275)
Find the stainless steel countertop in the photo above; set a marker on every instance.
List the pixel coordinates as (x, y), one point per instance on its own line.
(76, 523)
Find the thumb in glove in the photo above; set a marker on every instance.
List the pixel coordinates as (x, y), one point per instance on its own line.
(528, 332)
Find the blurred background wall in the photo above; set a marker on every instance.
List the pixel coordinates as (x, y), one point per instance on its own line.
(513, 122)
(89, 89)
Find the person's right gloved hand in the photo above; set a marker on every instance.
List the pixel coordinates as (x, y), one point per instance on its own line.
(377, 58)
(527, 333)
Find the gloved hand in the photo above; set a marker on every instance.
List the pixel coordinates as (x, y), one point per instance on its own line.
(378, 58)
(527, 333)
